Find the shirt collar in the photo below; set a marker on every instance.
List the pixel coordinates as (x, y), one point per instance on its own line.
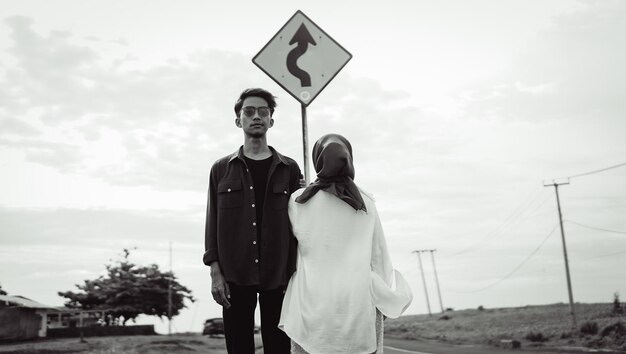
(276, 156)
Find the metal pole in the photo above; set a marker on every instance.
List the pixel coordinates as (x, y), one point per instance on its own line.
(432, 256)
(82, 336)
(424, 282)
(305, 144)
(567, 274)
(169, 296)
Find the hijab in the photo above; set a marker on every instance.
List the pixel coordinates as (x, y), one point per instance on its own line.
(332, 159)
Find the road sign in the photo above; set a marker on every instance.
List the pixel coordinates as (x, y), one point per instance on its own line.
(302, 58)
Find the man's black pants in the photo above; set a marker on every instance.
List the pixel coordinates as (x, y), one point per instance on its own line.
(239, 320)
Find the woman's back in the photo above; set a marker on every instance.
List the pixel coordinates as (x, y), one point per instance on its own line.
(328, 304)
(343, 269)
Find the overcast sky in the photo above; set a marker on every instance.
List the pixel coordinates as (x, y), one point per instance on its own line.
(112, 112)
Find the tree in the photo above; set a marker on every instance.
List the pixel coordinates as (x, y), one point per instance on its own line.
(617, 305)
(129, 290)
(2, 292)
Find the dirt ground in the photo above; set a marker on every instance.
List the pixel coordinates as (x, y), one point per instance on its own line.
(157, 344)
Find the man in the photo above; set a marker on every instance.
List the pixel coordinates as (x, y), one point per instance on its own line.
(248, 242)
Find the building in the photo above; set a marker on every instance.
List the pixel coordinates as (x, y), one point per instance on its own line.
(22, 318)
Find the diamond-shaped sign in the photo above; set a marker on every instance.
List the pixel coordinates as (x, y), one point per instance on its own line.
(302, 58)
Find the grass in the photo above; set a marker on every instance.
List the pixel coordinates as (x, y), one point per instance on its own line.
(180, 343)
(155, 344)
(533, 326)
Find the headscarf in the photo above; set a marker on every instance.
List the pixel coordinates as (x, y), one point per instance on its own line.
(332, 159)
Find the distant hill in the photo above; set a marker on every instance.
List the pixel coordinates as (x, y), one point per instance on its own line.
(600, 325)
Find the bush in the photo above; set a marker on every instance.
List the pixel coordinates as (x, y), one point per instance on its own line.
(617, 329)
(445, 317)
(589, 327)
(481, 308)
(536, 337)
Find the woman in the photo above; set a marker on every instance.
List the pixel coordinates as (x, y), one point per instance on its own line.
(343, 285)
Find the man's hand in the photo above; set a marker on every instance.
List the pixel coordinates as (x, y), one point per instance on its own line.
(219, 287)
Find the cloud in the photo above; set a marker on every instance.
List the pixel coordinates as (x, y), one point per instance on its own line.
(61, 155)
(122, 127)
(572, 70)
(101, 228)
(163, 121)
(49, 250)
(48, 70)
(162, 126)
(12, 126)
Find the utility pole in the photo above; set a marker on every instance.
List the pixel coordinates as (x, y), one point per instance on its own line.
(569, 281)
(432, 256)
(169, 296)
(423, 279)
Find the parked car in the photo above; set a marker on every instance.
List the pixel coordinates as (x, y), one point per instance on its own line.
(213, 326)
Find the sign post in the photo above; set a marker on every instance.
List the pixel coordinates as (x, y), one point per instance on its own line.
(305, 144)
(302, 59)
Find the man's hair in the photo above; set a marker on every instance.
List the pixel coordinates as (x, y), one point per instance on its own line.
(256, 92)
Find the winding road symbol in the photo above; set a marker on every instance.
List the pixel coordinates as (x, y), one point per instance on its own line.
(302, 58)
(302, 37)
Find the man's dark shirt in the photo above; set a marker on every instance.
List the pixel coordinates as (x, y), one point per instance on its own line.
(231, 222)
(259, 170)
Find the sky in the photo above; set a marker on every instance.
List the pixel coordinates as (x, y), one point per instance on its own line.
(112, 113)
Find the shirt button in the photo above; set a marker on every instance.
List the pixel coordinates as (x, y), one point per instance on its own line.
(254, 224)
(253, 205)
(256, 261)
(229, 189)
(254, 242)
(251, 187)
(285, 192)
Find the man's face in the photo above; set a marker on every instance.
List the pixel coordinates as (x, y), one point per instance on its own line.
(254, 117)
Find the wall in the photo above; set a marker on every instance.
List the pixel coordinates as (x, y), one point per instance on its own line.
(17, 323)
(99, 331)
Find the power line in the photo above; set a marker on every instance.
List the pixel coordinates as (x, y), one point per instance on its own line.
(532, 212)
(575, 260)
(512, 225)
(522, 208)
(597, 171)
(595, 228)
(517, 213)
(516, 268)
(533, 192)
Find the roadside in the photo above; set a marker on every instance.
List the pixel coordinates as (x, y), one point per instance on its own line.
(424, 346)
(197, 343)
(153, 344)
(600, 327)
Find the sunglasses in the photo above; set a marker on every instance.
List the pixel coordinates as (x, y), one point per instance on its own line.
(249, 111)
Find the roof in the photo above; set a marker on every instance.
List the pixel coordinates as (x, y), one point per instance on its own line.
(21, 301)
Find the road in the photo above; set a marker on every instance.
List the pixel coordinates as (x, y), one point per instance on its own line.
(401, 346)
(186, 343)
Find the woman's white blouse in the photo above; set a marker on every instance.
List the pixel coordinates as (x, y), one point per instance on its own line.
(344, 273)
